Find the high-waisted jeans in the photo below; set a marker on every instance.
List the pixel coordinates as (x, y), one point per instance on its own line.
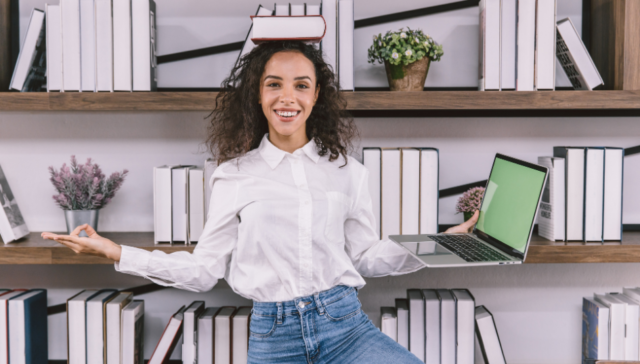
(328, 327)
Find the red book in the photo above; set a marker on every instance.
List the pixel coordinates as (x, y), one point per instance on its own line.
(307, 28)
(169, 339)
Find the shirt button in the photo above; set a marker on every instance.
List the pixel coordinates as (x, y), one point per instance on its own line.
(301, 304)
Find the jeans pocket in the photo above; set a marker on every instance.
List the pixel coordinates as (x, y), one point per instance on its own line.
(337, 208)
(262, 326)
(344, 307)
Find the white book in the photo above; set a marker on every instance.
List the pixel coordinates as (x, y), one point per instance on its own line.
(465, 325)
(143, 42)
(545, 61)
(410, 193)
(104, 46)
(266, 28)
(282, 10)
(88, 45)
(313, 9)
(617, 319)
(525, 45)
(490, 20)
(329, 45)
(209, 167)
(12, 224)
(27, 332)
(113, 311)
(162, 216)
(389, 322)
(122, 52)
(372, 160)
(54, 47)
(575, 58)
(613, 167)
(205, 335)
(632, 315)
(96, 327)
(491, 348)
(432, 326)
(595, 329)
(345, 46)
(551, 211)
(4, 323)
(76, 327)
(248, 43)
(28, 56)
(196, 204)
(390, 187)
(179, 201)
(133, 333)
(429, 190)
(190, 332)
(222, 335)
(241, 335)
(402, 312)
(594, 194)
(297, 10)
(447, 326)
(574, 191)
(71, 66)
(416, 323)
(508, 45)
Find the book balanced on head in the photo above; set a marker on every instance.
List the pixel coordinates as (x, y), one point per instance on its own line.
(308, 28)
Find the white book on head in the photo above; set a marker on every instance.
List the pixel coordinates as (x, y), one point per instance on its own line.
(54, 47)
(162, 214)
(372, 160)
(617, 318)
(545, 62)
(196, 204)
(429, 190)
(241, 335)
(402, 312)
(329, 45)
(613, 167)
(551, 212)
(432, 326)
(345, 38)
(143, 43)
(508, 45)
(575, 58)
(96, 327)
(410, 191)
(490, 45)
(465, 325)
(594, 194)
(71, 66)
(447, 326)
(104, 46)
(88, 45)
(179, 201)
(122, 52)
(416, 323)
(390, 187)
(389, 322)
(632, 317)
(190, 332)
(525, 45)
(222, 344)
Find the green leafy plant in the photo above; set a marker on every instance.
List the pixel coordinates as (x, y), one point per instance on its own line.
(404, 47)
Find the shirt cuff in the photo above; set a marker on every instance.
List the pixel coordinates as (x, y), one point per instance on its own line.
(133, 260)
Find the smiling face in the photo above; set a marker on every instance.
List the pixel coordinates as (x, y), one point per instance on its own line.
(287, 94)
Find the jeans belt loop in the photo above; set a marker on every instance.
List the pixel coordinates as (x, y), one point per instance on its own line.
(279, 319)
(319, 305)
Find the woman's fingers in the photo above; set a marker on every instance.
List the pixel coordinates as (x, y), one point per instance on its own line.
(469, 224)
(49, 236)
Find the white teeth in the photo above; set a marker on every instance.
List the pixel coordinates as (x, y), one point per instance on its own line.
(286, 113)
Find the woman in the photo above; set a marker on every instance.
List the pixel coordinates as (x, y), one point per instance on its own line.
(291, 224)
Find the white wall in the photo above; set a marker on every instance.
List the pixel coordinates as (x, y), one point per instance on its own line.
(537, 307)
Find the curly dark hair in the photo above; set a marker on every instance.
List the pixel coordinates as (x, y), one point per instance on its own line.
(238, 124)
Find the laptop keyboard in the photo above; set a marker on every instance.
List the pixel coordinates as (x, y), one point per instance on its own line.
(468, 248)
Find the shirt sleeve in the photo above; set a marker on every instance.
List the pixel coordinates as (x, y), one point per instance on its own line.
(371, 256)
(198, 271)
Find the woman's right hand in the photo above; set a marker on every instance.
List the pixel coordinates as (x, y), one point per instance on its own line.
(93, 244)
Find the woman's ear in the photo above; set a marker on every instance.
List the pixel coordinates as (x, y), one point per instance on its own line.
(317, 93)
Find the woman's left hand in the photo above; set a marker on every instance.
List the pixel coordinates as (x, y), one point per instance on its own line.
(466, 227)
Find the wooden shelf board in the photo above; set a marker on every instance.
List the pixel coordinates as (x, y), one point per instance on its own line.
(357, 101)
(35, 250)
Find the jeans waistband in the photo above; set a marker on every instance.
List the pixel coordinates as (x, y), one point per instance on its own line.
(301, 304)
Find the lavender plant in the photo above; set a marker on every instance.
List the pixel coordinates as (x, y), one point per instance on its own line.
(470, 201)
(83, 186)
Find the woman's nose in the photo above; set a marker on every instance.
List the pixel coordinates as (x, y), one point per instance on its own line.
(287, 95)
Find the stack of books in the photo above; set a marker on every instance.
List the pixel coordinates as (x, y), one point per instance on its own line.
(582, 200)
(23, 326)
(404, 188)
(520, 41)
(439, 326)
(87, 45)
(610, 326)
(211, 334)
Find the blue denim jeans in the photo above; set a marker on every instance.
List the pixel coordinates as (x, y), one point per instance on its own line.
(328, 327)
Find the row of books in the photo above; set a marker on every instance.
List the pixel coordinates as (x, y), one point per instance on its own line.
(181, 201)
(520, 41)
(582, 200)
(89, 45)
(331, 23)
(439, 326)
(404, 188)
(610, 327)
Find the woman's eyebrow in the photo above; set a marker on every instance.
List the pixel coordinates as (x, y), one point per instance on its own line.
(272, 76)
(280, 78)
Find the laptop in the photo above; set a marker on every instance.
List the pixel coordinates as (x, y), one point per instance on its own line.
(503, 231)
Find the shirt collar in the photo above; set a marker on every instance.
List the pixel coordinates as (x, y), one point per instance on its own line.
(273, 155)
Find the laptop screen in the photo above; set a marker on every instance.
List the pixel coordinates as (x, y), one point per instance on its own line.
(510, 201)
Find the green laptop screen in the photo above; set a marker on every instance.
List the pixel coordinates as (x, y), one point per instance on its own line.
(510, 203)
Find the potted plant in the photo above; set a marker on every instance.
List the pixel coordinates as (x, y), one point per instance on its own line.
(406, 56)
(470, 201)
(83, 190)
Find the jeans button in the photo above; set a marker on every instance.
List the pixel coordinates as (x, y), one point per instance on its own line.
(301, 304)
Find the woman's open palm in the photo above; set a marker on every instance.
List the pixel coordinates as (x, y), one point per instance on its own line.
(93, 244)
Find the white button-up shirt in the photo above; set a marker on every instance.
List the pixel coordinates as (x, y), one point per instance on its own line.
(281, 225)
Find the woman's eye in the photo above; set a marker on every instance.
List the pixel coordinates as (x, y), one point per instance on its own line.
(303, 86)
(273, 85)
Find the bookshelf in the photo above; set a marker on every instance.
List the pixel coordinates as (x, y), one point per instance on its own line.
(35, 250)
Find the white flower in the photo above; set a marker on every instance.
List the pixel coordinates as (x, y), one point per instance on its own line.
(403, 35)
(394, 55)
(408, 53)
(417, 41)
(426, 44)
